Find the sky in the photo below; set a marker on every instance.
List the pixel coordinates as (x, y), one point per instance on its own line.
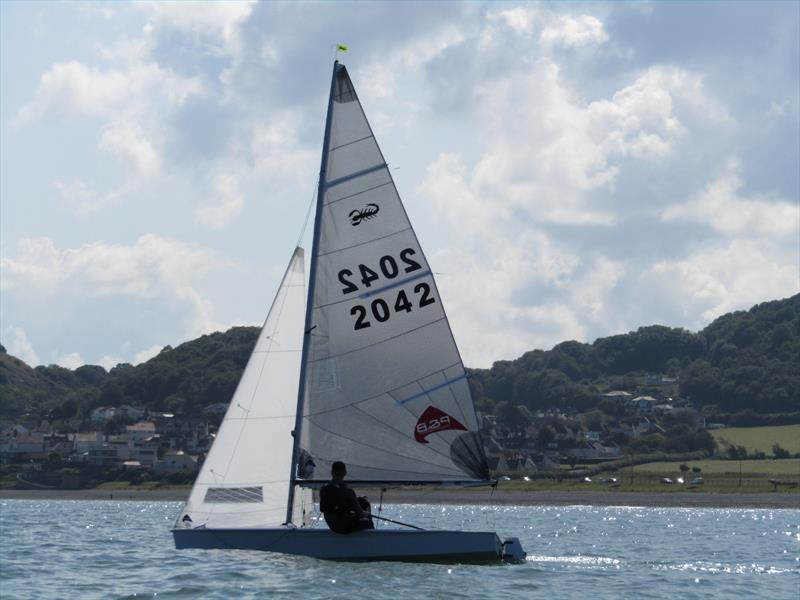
(572, 170)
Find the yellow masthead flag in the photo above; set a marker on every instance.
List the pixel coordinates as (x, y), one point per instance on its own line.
(341, 47)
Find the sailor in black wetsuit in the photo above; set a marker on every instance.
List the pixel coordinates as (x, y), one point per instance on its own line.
(344, 512)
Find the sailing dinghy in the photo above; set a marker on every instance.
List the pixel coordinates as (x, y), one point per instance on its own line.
(364, 369)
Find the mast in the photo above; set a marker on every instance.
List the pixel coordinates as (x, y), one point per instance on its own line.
(301, 391)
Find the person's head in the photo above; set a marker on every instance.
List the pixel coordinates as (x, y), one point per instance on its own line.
(338, 470)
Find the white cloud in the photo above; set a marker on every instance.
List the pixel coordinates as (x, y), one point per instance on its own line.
(574, 31)
(273, 153)
(447, 186)
(547, 153)
(108, 361)
(18, 344)
(216, 26)
(200, 319)
(149, 353)
(73, 88)
(152, 268)
(72, 361)
(227, 204)
(519, 19)
(492, 297)
(640, 119)
(589, 291)
(80, 197)
(379, 78)
(722, 207)
(778, 110)
(555, 29)
(127, 138)
(275, 150)
(132, 103)
(528, 292)
(540, 150)
(712, 281)
(269, 54)
(217, 20)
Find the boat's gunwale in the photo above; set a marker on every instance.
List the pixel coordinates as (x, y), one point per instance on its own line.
(484, 546)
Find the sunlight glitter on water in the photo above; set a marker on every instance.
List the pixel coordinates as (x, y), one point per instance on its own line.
(720, 568)
(583, 561)
(85, 549)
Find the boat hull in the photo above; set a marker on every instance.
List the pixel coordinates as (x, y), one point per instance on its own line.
(365, 545)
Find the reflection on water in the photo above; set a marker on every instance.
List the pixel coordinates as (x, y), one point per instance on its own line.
(91, 549)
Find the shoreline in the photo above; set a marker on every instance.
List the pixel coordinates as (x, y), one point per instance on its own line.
(782, 500)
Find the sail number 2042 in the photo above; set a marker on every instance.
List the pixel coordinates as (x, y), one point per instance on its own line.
(379, 309)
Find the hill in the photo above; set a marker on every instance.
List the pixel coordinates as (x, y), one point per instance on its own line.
(743, 361)
(46, 390)
(181, 380)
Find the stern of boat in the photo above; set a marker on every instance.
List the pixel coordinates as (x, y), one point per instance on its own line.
(512, 550)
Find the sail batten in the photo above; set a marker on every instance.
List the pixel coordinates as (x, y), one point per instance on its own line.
(351, 176)
(386, 390)
(392, 391)
(414, 460)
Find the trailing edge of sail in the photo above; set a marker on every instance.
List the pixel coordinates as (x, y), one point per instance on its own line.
(386, 390)
(244, 481)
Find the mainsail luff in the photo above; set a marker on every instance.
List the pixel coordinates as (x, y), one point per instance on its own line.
(301, 392)
(390, 378)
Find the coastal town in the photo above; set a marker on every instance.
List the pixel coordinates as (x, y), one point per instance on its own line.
(121, 439)
(128, 443)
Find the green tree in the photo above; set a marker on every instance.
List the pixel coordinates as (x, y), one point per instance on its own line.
(737, 452)
(779, 452)
(176, 404)
(594, 420)
(512, 417)
(545, 436)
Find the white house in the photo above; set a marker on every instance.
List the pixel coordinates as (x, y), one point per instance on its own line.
(141, 431)
(83, 442)
(177, 461)
(644, 404)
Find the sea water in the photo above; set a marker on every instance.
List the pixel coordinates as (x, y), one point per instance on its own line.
(108, 549)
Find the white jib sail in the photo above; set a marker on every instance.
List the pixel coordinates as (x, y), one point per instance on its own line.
(244, 481)
(386, 389)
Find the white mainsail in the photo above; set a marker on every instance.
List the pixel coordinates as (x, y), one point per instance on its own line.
(386, 391)
(244, 481)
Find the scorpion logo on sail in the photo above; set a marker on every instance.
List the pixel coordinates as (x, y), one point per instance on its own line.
(364, 214)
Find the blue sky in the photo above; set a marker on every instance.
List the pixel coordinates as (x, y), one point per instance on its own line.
(572, 170)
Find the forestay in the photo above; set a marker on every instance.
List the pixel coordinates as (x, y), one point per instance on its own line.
(386, 390)
(244, 481)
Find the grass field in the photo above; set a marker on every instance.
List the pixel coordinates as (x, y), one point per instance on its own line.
(718, 476)
(759, 438)
(771, 468)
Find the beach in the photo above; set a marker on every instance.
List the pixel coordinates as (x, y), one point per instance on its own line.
(692, 499)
